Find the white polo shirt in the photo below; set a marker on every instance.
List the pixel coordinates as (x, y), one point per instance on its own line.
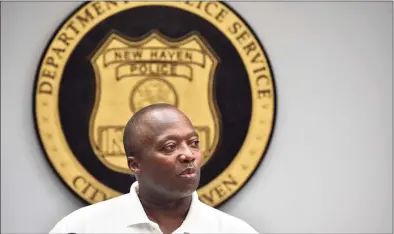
(125, 214)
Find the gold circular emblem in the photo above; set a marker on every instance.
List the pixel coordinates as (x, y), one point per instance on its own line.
(110, 59)
(151, 91)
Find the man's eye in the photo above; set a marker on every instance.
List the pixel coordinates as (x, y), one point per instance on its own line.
(169, 147)
(195, 144)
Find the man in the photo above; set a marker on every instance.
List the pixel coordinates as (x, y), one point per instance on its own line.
(163, 153)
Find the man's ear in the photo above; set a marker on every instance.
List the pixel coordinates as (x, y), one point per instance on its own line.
(133, 164)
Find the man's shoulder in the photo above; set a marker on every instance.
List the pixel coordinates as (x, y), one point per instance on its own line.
(227, 222)
(103, 208)
(95, 214)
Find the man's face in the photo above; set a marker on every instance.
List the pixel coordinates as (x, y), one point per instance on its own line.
(170, 159)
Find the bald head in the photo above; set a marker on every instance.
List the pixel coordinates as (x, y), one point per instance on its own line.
(145, 122)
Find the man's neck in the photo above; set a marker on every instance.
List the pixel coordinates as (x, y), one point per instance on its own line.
(169, 214)
(153, 205)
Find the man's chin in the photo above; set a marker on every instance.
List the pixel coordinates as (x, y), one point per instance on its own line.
(187, 188)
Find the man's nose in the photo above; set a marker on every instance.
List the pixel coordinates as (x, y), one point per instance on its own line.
(186, 154)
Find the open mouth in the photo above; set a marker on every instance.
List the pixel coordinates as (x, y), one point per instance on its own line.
(189, 172)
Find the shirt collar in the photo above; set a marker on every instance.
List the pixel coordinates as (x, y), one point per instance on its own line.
(136, 214)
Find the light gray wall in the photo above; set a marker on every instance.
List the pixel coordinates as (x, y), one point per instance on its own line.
(329, 167)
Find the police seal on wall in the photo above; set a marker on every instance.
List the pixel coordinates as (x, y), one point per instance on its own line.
(110, 59)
